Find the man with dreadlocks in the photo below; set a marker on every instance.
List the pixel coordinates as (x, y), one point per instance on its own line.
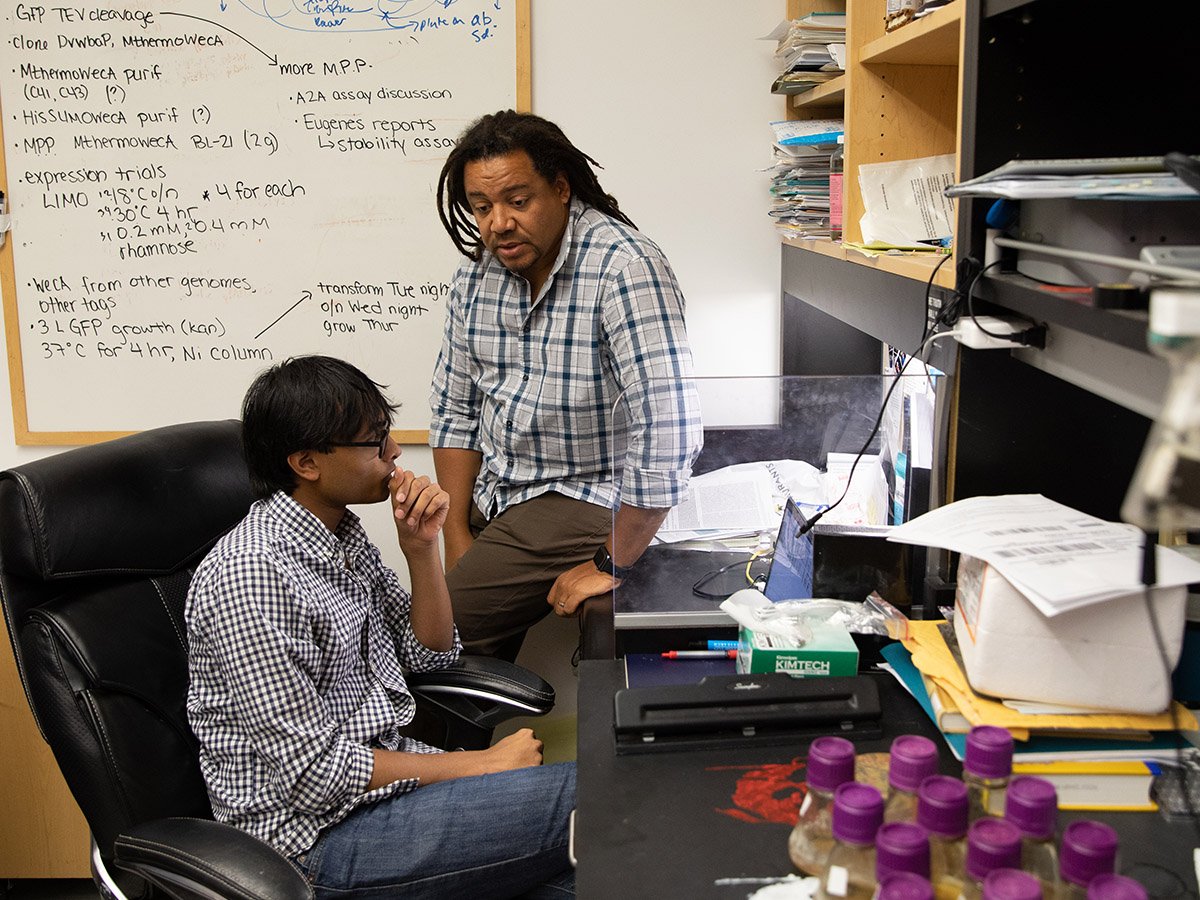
(565, 421)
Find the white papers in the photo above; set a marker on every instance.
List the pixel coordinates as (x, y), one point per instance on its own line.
(903, 201)
(748, 498)
(921, 430)
(1058, 557)
(731, 501)
(1155, 186)
(866, 502)
(810, 43)
(741, 499)
(1142, 177)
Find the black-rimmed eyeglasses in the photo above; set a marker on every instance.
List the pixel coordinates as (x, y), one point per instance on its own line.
(380, 443)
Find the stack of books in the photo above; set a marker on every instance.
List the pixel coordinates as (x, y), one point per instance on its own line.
(800, 175)
(1097, 760)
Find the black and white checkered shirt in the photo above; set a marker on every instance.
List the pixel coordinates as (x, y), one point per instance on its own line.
(587, 389)
(297, 637)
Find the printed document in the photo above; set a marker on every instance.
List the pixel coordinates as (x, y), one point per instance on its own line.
(1058, 557)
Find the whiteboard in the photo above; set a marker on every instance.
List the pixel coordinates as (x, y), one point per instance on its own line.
(198, 192)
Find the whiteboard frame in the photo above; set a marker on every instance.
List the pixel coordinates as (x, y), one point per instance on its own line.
(8, 284)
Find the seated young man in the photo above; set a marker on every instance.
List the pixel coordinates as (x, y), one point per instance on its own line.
(298, 633)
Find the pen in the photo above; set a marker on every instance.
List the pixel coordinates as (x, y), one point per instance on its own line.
(713, 645)
(699, 654)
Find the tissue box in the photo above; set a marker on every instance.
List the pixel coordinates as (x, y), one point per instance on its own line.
(830, 652)
(1102, 656)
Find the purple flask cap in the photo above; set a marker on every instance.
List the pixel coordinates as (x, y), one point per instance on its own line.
(1088, 848)
(857, 813)
(989, 752)
(1031, 804)
(913, 759)
(830, 763)
(1011, 884)
(942, 806)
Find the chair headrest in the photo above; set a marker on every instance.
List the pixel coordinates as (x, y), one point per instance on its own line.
(145, 504)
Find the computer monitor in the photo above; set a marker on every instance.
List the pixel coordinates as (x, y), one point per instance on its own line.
(843, 562)
(791, 574)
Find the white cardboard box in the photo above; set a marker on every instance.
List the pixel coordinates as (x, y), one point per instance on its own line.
(1102, 657)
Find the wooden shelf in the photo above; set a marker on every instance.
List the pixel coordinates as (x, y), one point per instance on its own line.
(929, 41)
(831, 93)
(918, 268)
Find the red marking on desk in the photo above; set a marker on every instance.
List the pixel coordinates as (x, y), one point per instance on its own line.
(766, 793)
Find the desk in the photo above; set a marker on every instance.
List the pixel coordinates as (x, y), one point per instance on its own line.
(655, 603)
(670, 824)
(655, 608)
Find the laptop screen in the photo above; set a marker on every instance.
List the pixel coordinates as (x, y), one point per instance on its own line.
(791, 574)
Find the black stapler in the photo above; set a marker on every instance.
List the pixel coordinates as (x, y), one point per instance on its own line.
(728, 710)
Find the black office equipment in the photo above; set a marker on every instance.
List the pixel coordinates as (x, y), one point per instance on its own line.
(729, 710)
(840, 562)
(852, 561)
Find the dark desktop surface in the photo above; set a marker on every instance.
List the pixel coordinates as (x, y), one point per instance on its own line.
(663, 579)
(671, 824)
(846, 567)
(689, 823)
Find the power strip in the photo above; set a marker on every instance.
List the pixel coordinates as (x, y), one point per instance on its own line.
(985, 332)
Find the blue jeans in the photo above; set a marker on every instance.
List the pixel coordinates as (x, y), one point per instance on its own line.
(501, 835)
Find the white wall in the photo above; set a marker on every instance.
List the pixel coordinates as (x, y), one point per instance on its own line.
(671, 97)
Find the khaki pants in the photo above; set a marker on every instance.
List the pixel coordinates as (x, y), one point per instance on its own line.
(500, 585)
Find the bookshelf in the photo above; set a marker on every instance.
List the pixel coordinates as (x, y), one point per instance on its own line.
(996, 80)
(899, 98)
(989, 81)
(824, 96)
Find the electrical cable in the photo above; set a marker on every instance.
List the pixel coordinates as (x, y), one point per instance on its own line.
(870, 437)
(1020, 337)
(1149, 578)
(926, 338)
(971, 302)
(707, 577)
(928, 297)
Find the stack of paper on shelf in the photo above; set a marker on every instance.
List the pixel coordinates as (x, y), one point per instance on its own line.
(810, 51)
(1115, 178)
(800, 182)
(817, 41)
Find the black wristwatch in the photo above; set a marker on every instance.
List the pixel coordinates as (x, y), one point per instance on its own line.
(605, 563)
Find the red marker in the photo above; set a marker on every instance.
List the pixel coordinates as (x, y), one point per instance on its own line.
(700, 654)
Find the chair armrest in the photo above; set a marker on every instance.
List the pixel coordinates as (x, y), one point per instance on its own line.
(190, 858)
(488, 680)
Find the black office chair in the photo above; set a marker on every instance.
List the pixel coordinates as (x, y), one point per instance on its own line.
(97, 547)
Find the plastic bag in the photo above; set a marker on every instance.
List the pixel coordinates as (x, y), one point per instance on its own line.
(794, 619)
